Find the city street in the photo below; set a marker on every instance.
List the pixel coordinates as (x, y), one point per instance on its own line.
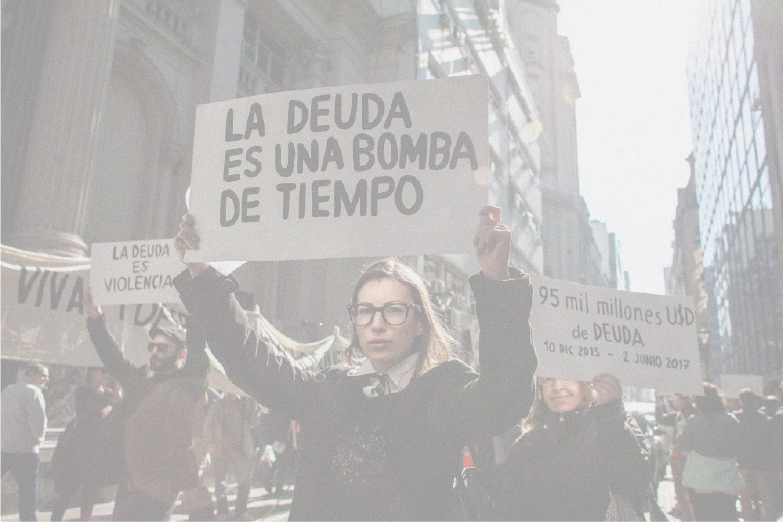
(260, 506)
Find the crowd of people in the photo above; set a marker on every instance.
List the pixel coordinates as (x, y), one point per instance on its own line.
(383, 436)
(723, 451)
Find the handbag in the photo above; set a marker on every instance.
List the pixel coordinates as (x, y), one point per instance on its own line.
(711, 474)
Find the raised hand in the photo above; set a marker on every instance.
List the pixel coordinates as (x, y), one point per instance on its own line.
(187, 239)
(93, 310)
(493, 244)
(606, 388)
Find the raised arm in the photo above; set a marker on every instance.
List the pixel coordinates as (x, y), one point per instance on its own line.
(501, 396)
(265, 375)
(105, 345)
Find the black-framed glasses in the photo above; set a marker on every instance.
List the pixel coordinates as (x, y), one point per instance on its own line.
(393, 313)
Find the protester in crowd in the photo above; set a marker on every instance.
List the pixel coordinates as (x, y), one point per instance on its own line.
(770, 405)
(683, 409)
(157, 411)
(74, 463)
(578, 457)
(383, 439)
(710, 438)
(282, 439)
(773, 409)
(683, 508)
(755, 458)
(23, 428)
(228, 430)
(198, 502)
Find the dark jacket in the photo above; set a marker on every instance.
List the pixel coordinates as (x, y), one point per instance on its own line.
(776, 422)
(75, 460)
(154, 420)
(564, 470)
(391, 457)
(755, 450)
(710, 434)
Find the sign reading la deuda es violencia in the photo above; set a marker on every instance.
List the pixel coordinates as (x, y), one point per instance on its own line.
(134, 272)
(347, 171)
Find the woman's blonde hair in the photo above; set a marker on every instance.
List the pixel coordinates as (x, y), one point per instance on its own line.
(539, 411)
(435, 343)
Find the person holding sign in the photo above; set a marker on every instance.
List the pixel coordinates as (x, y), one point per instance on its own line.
(156, 415)
(578, 457)
(383, 439)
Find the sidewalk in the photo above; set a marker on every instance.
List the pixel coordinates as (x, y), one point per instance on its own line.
(666, 499)
(260, 506)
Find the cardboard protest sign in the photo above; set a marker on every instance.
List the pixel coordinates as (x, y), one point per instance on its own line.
(646, 341)
(43, 320)
(134, 272)
(366, 170)
(732, 385)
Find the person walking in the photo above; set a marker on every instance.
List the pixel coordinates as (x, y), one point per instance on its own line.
(381, 438)
(683, 409)
(23, 428)
(755, 458)
(228, 430)
(711, 439)
(74, 463)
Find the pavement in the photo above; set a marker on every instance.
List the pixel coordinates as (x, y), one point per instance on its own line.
(261, 506)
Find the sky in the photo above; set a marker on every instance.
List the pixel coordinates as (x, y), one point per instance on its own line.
(633, 123)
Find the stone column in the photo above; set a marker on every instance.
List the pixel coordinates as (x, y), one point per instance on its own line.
(65, 130)
(25, 29)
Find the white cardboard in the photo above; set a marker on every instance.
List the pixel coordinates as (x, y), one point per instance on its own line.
(134, 272)
(645, 340)
(428, 209)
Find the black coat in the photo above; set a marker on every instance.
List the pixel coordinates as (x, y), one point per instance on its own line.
(392, 457)
(150, 436)
(564, 470)
(756, 442)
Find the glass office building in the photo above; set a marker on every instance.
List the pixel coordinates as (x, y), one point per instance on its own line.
(735, 179)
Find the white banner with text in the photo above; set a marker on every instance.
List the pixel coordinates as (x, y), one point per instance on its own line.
(43, 320)
(645, 340)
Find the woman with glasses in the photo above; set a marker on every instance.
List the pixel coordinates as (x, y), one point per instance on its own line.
(382, 438)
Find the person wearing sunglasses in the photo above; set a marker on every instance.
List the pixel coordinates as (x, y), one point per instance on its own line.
(382, 437)
(155, 418)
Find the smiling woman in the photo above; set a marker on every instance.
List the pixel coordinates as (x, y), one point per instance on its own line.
(382, 437)
(578, 456)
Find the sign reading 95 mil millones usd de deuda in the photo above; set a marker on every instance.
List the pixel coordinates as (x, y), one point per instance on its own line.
(366, 170)
(645, 340)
